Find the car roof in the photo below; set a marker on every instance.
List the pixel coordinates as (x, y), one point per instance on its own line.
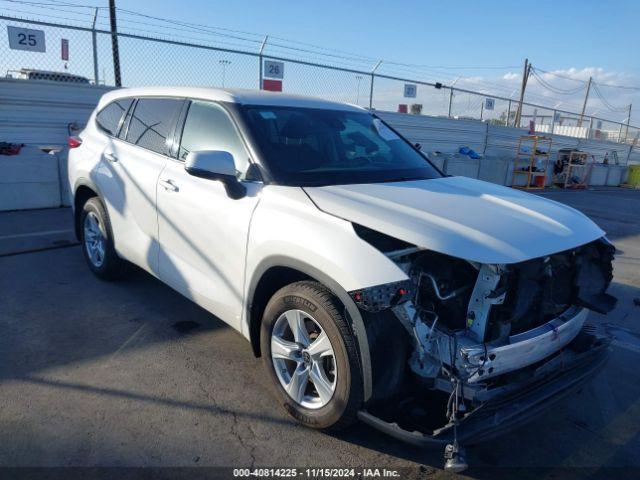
(239, 96)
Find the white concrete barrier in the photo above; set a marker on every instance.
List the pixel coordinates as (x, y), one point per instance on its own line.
(438, 159)
(598, 175)
(494, 169)
(462, 166)
(29, 180)
(614, 178)
(63, 168)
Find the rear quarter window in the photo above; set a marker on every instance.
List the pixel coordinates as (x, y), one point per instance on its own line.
(108, 119)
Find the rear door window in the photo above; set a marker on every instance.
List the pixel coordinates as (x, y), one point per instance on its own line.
(108, 119)
(152, 123)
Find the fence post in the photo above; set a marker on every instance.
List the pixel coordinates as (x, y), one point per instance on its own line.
(553, 121)
(626, 132)
(620, 133)
(114, 44)
(95, 48)
(506, 122)
(450, 101)
(264, 42)
(373, 75)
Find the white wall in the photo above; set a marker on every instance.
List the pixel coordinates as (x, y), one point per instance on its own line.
(38, 112)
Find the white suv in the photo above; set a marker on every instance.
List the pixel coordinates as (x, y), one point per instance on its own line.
(372, 285)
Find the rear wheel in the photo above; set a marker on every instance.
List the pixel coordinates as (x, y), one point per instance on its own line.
(97, 241)
(310, 355)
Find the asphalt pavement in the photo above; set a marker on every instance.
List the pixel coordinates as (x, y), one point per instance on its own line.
(132, 374)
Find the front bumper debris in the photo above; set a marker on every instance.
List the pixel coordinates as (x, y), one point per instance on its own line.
(512, 404)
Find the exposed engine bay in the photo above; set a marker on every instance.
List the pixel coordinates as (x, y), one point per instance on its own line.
(476, 336)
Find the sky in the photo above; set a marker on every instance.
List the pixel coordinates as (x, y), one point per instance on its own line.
(557, 34)
(480, 45)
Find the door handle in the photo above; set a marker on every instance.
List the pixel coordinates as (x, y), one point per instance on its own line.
(112, 157)
(168, 185)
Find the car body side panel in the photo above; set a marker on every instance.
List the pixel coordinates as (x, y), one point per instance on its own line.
(286, 223)
(128, 191)
(203, 240)
(288, 230)
(129, 188)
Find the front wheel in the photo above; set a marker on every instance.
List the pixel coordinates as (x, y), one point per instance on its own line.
(310, 355)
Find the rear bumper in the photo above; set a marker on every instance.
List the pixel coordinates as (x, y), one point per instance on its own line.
(514, 404)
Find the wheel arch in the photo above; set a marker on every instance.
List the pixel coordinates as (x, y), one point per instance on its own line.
(276, 272)
(83, 190)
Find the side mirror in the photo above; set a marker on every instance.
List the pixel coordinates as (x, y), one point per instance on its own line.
(216, 165)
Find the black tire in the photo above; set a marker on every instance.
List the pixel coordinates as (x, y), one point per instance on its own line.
(112, 266)
(318, 301)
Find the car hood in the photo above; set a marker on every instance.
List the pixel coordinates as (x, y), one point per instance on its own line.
(461, 217)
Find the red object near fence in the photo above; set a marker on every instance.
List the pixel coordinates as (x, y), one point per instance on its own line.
(272, 85)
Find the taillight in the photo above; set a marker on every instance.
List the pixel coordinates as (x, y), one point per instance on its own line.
(74, 142)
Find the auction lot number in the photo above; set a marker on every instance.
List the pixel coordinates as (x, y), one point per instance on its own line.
(315, 472)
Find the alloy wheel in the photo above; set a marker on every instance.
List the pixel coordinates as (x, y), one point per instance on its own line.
(303, 359)
(94, 239)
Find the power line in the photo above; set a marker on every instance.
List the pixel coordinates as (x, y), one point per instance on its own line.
(628, 87)
(61, 4)
(553, 88)
(44, 6)
(604, 100)
(555, 74)
(48, 15)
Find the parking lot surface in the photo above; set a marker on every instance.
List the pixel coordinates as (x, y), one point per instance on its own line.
(133, 374)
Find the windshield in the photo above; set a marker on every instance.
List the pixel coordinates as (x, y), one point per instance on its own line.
(310, 147)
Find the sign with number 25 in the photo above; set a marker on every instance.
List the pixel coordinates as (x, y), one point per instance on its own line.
(26, 39)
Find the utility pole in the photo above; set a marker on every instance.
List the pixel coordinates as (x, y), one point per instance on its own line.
(114, 43)
(584, 105)
(626, 133)
(525, 77)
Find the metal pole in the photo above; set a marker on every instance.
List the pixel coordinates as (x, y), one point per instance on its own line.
(373, 75)
(224, 64)
(620, 133)
(264, 43)
(525, 77)
(114, 43)
(481, 110)
(94, 40)
(450, 102)
(553, 121)
(584, 105)
(358, 78)
(626, 133)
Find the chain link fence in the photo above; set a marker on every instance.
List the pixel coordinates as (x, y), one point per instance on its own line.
(80, 54)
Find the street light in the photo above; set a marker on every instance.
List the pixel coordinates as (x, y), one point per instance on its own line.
(224, 64)
(358, 77)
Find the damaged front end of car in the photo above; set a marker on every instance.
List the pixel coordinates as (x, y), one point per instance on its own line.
(485, 347)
